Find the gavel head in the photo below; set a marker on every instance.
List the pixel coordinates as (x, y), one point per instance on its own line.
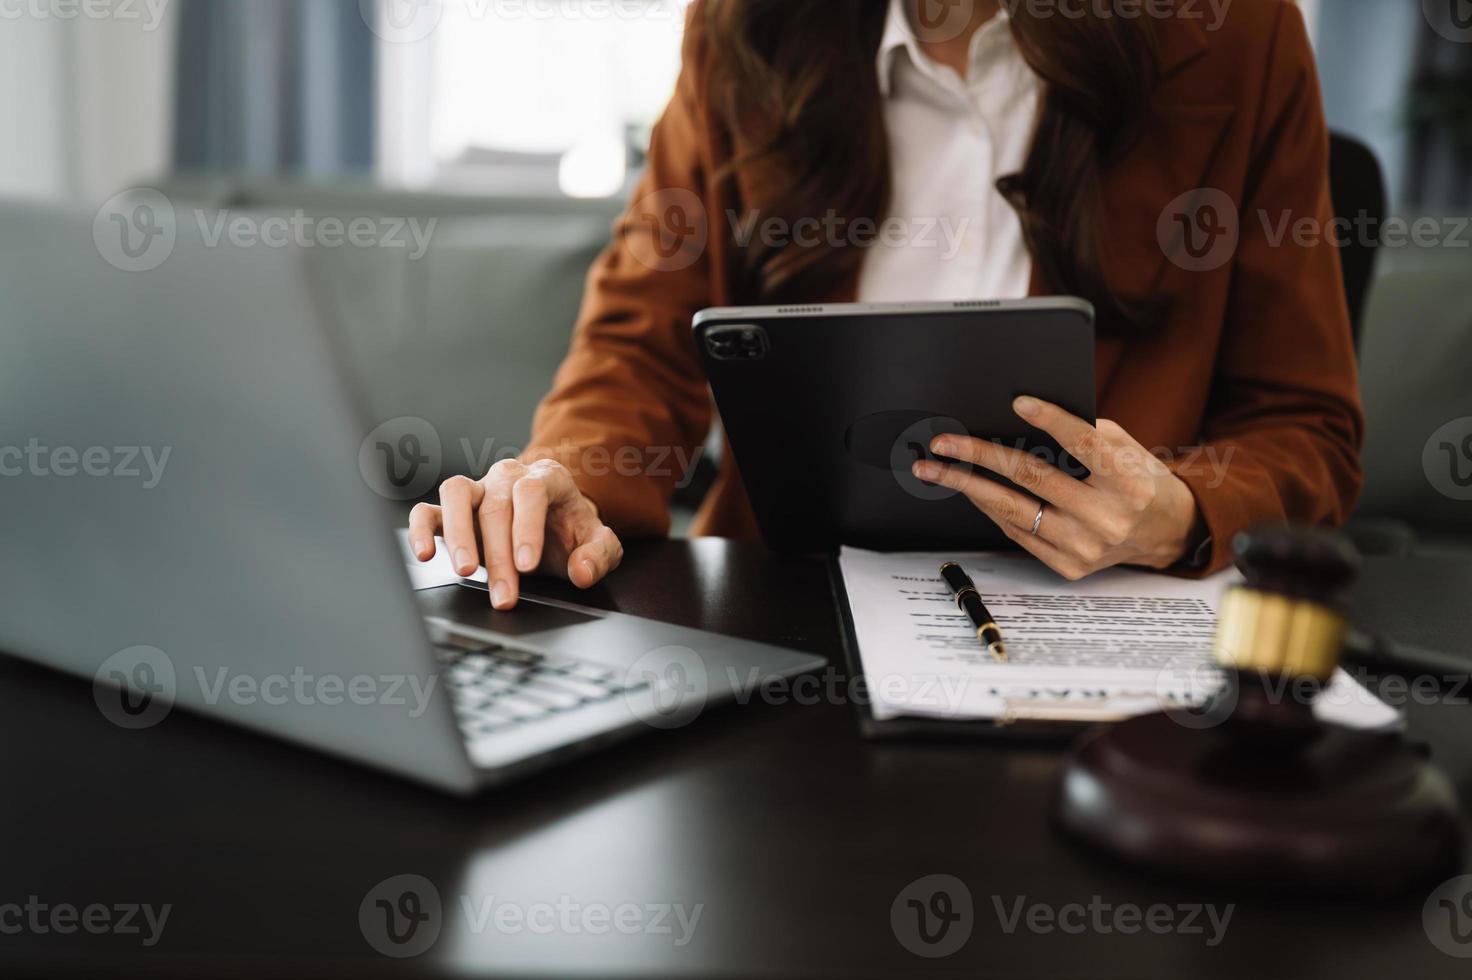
(1281, 633)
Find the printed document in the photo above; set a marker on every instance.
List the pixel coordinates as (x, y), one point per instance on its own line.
(1116, 644)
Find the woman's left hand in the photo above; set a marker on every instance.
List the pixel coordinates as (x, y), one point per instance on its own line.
(1131, 510)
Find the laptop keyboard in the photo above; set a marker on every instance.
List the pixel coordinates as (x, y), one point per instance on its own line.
(495, 688)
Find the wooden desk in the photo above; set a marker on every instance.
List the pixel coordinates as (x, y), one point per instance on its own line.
(793, 836)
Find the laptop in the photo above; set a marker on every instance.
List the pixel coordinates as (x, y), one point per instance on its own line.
(187, 524)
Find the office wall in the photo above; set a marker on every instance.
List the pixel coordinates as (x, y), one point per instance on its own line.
(86, 110)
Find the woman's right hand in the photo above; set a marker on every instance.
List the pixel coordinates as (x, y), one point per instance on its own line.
(518, 519)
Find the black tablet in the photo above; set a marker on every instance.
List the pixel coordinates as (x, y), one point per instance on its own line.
(828, 407)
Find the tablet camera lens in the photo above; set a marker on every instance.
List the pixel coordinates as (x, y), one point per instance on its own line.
(737, 343)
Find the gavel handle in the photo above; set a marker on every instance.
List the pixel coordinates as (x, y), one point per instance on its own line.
(1383, 655)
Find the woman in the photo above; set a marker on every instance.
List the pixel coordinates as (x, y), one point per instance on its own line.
(1138, 155)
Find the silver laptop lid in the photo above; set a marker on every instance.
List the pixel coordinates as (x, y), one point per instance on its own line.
(181, 503)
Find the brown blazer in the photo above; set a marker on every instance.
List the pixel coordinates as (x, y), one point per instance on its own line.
(1250, 386)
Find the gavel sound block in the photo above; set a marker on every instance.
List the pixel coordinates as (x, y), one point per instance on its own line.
(1252, 789)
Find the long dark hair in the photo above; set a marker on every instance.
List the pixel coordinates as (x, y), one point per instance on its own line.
(795, 82)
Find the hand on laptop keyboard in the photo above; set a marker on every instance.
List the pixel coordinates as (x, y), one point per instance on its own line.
(518, 519)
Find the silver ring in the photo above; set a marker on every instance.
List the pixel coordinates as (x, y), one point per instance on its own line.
(1037, 522)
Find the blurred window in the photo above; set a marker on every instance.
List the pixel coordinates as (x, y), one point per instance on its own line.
(536, 94)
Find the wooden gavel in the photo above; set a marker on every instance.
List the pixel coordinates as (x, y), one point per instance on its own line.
(1254, 788)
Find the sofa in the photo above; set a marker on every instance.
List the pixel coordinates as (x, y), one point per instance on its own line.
(468, 335)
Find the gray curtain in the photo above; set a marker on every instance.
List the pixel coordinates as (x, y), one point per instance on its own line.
(1366, 52)
(274, 86)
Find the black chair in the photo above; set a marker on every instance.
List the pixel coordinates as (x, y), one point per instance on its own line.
(1357, 185)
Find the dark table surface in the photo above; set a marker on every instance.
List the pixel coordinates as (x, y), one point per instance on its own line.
(792, 836)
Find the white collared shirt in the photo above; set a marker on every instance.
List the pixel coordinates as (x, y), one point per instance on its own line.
(949, 233)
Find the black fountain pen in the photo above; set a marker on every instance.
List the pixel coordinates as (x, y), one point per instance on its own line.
(968, 600)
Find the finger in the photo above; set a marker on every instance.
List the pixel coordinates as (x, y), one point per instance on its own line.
(529, 499)
(592, 560)
(585, 539)
(495, 531)
(424, 524)
(1006, 507)
(1029, 472)
(1078, 438)
(1049, 554)
(459, 498)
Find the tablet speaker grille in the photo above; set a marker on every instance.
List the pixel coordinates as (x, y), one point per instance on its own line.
(799, 309)
(977, 304)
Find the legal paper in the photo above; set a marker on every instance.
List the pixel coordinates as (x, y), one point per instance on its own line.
(1116, 644)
